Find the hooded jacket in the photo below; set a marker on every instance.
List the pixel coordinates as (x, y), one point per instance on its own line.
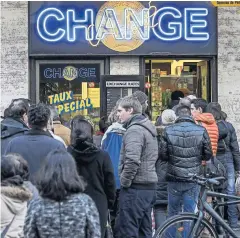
(184, 146)
(139, 154)
(11, 128)
(228, 143)
(95, 166)
(14, 203)
(161, 168)
(208, 122)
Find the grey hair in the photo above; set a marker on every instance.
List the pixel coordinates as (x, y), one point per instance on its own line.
(113, 115)
(131, 102)
(54, 116)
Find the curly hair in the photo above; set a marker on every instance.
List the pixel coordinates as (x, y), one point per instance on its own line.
(38, 116)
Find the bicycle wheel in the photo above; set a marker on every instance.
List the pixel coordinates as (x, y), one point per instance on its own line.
(181, 226)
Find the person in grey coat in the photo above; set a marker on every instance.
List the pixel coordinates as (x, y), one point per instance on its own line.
(62, 210)
(137, 171)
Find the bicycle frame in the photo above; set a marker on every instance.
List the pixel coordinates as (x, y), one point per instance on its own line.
(206, 207)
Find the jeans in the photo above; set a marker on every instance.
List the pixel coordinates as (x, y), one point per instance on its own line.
(181, 193)
(134, 218)
(160, 215)
(227, 161)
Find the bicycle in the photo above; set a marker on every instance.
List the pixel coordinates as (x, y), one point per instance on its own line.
(177, 226)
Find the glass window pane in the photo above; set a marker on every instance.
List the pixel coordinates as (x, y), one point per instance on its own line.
(83, 80)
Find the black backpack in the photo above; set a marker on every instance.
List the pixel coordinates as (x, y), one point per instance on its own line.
(216, 169)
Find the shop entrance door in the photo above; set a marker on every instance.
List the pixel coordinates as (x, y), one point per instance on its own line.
(165, 76)
(73, 87)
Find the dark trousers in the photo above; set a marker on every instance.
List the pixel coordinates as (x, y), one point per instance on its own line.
(160, 215)
(115, 209)
(134, 218)
(228, 163)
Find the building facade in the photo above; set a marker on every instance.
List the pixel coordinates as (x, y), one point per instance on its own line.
(31, 65)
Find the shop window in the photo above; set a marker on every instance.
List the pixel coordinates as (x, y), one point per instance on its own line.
(167, 76)
(74, 88)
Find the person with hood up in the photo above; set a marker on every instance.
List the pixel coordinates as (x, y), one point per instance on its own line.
(14, 198)
(95, 166)
(228, 154)
(15, 122)
(168, 117)
(137, 171)
(198, 110)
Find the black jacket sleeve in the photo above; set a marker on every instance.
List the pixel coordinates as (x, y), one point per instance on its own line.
(207, 148)
(234, 147)
(163, 147)
(109, 180)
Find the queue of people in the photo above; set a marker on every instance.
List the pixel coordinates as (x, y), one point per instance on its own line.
(63, 182)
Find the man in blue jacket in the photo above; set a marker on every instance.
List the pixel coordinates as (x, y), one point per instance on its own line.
(36, 143)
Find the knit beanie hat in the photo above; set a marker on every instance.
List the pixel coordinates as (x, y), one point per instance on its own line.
(141, 96)
(168, 117)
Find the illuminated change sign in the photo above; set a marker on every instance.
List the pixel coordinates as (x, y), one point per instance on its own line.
(122, 27)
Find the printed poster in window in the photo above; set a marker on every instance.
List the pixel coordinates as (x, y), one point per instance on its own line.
(94, 95)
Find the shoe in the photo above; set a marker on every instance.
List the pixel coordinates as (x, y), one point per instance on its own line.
(236, 228)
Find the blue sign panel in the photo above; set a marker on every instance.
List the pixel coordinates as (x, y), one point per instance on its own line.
(119, 27)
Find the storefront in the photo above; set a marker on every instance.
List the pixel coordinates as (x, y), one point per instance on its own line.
(71, 45)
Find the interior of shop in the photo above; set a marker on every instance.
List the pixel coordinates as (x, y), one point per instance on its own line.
(164, 76)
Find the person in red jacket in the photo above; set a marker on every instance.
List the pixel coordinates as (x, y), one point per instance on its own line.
(198, 109)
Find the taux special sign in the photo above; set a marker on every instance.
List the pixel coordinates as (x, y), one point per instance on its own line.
(122, 27)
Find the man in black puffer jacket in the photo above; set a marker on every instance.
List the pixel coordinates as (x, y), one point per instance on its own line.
(185, 145)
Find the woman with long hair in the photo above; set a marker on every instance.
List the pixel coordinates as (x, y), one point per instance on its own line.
(14, 197)
(62, 209)
(95, 166)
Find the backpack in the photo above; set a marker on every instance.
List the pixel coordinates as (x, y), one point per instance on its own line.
(216, 169)
(113, 144)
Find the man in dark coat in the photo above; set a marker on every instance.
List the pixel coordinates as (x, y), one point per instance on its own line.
(36, 143)
(184, 146)
(137, 171)
(14, 123)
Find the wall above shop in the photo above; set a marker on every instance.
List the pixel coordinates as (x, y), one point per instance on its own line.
(129, 28)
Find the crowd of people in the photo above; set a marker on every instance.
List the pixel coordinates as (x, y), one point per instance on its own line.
(59, 181)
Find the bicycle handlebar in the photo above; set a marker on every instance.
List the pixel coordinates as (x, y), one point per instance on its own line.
(204, 181)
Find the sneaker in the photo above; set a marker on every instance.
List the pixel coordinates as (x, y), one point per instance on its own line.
(236, 228)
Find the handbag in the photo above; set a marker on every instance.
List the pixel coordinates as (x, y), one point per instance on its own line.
(7, 228)
(109, 232)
